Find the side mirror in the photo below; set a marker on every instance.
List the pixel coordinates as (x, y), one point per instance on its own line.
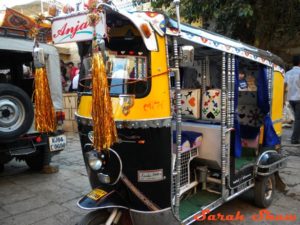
(187, 56)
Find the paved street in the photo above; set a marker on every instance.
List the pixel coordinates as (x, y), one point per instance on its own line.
(28, 197)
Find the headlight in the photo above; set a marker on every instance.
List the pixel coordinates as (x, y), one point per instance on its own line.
(94, 162)
(91, 136)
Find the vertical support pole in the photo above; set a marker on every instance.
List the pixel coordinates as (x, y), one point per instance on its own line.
(229, 89)
(223, 124)
(178, 126)
(203, 71)
(177, 3)
(207, 77)
(270, 81)
(233, 89)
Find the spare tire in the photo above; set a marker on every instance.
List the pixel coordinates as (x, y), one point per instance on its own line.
(16, 112)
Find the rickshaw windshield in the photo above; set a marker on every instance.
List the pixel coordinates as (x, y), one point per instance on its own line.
(126, 74)
(126, 67)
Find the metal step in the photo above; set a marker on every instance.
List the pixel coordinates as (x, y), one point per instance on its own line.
(22, 148)
(22, 151)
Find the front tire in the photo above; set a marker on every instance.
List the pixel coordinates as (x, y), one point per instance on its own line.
(97, 217)
(264, 191)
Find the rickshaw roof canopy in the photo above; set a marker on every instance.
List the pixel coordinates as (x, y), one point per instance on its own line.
(165, 25)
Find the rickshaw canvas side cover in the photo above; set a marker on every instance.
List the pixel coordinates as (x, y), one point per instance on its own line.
(52, 65)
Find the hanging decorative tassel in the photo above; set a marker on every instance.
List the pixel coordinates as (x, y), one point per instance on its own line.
(105, 132)
(44, 111)
(45, 118)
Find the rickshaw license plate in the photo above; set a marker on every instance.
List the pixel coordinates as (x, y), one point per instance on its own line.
(57, 143)
(96, 194)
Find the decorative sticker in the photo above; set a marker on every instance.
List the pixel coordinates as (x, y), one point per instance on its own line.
(211, 105)
(96, 194)
(150, 175)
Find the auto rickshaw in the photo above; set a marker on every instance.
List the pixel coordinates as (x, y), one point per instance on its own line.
(189, 137)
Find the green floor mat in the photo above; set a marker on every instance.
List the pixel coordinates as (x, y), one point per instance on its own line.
(243, 161)
(248, 157)
(193, 204)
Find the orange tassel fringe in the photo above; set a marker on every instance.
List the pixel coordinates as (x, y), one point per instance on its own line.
(44, 110)
(105, 132)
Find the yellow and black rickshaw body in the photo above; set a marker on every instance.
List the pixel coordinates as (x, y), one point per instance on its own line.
(188, 138)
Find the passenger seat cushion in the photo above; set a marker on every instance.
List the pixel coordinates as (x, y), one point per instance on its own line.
(250, 115)
(189, 139)
(247, 98)
(211, 105)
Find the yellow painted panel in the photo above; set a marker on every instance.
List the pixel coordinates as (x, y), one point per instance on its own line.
(277, 100)
(278, 128)
(153, 106)
(85, 106)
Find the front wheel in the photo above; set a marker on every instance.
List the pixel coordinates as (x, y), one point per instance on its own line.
(97, 217)
(264, 191)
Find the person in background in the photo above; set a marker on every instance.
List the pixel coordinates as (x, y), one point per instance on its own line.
(72, 73)
(63, 71)
(292, 86)
(243, 85)
(74, 85)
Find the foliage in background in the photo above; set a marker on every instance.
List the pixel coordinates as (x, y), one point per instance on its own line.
(267, 24)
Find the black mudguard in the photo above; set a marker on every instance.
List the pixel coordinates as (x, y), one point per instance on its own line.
(269, 162)
(112, 199)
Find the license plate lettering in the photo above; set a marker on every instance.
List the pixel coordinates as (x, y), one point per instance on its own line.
(57, 143)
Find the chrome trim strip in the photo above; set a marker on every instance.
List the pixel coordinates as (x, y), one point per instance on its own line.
(239, 192)
(274, 163)
(211, 207)
(146, 123)
(121, 166)
(150, 212)
(258, 160)
(106, 207)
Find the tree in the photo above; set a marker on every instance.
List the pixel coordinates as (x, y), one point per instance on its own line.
(266, 24)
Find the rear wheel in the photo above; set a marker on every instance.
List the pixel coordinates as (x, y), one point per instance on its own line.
(36, 160)
(97, 217)
(1, 168)
(264, 191)
(16, 112)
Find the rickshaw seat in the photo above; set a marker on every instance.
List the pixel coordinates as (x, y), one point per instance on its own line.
(249, 115)
(189, 139)
(251, 119)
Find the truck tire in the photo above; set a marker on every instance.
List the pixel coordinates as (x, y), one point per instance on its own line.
(35, 161)
(1, 167)
(264, 191)
(16, 112)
